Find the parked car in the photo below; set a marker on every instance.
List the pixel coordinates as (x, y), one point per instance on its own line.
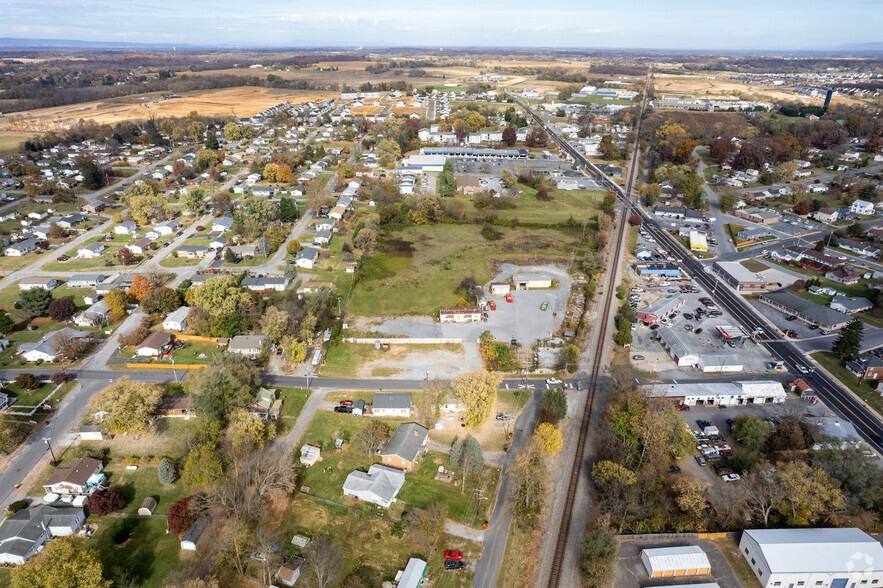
(553, 381)
(791, 318)
(453, 564)
(453, 555)
(346, 402)
(544, 306)
(683, 407)
(825, 332)
(730, 477)
(509, 298)
(802, 369)
(813, 327)
(347, 409)
(700, 460)
(492, 305)
(63, 258)
(674, 470)
(637, 357)
(698, 331)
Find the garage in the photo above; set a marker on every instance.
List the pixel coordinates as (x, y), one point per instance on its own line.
(664, 562)
(531, 281)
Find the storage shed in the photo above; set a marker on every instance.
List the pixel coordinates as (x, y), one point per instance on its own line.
(688, 560)
(147, 507)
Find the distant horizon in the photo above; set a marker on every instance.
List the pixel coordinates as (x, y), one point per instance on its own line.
(686, 25)
(53, 43)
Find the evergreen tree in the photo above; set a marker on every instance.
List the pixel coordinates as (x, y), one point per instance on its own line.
(287, 209)
(457, 453)
(166, 472)
(6, 323)
(229, 257)
(36, 301)
(849, 343)
(211, 141)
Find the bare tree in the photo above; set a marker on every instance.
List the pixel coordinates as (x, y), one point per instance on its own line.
(267, 553)
(324, 563)
(764, 490)
(429, 523)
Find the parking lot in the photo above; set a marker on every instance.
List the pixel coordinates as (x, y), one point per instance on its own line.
(813, 338)
(630, 570)
(697, 332)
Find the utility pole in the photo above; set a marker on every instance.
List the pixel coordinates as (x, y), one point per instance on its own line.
(52, 453)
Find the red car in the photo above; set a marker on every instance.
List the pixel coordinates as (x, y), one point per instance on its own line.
(492, 305)
(453, 555)
(683, 407)
(346, 402)
(509, 298)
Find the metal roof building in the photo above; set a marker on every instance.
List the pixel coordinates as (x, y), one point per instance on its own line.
(722, 393)
(660, 309)
(688, 560)
(832, 558)
(738, 276)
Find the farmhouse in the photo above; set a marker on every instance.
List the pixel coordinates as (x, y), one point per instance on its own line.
(460, 315)
(380, 485)
(826, 215)
(833, 558)
(405, 447)
(739, 277)
(392, 404)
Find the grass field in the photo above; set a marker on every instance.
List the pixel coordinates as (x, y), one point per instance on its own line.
(9, 141)
(172, 261)
(754, 265)
(864, 389)
(566, 204)
(419, 270)
(345, 360)
(137, 546)
(593, 99)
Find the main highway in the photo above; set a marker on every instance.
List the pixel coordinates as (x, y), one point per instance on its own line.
(840, 401)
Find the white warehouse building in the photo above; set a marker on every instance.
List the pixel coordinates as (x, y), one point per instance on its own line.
(813, 558)
(721, 393)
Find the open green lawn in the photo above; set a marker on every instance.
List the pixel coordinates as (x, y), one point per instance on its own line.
(138, 484)
(577, 204)
(12, 263)
(292, 403)
(77, 294)
(864, 388)
(43, 325)
(418, 270)
(754, 265)
(137, 546)
(345, 360)
(593, 99)
(107, 260)
(172, 261)
(190, 352)
(10, 294)
(29, 397)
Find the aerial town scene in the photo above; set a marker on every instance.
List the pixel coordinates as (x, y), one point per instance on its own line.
(500, 295)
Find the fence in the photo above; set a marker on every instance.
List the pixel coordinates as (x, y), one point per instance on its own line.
(197, 338)
(731, 534)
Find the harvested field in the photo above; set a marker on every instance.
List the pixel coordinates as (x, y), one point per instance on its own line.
(9, 142)
(727, 88)
(241, 101)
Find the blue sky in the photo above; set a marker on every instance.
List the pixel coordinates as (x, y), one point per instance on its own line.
(675, 24)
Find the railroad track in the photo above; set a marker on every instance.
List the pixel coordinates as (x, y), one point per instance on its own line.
(599, 352)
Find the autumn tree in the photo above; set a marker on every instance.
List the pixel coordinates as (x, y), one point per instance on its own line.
(116, 301)
(139, 288)
(429, 523)
(536, 137)
(727, 201)
(105, 501)
(387, 151)
(325, 562)
(528, 478)
(228, 383)
(11, 434)
(180, 517)
(600, 552)
(248, 433)
(549, 438)
(477, 390)
(231, 131)
(810, 496)
(764, 491)
(193, 201)
(160, 300)
(27, 381)
(510, 136)
(274, 324)
(62, 309)
(64, 562)
(690, 497)
(129, 406)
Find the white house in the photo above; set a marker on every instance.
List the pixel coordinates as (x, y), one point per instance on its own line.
(861, 207)
(246, 344)
(22, 247)
(24, 533)
(307, 258)
(45, 348)
(125, 228)
(222, 225)
(45, 283)
(80, 476)
(91, 251)
(380, 485)
(96, 314)
(167, 227)
(176, 320)
(829, 558)
(392, 404)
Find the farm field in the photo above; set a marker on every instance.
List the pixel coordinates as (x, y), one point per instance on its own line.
(578, 204)
(418, 271)
(241, 101)
(9, 141)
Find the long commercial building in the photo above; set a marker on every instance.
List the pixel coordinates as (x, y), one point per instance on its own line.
(662, 308)
(721, 393)
(806, 310)
(813, 558)
(684, 355)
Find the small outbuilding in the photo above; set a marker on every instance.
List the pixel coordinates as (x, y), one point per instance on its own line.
(309, 455)
(194, 535)
(148, 505)
(688, 560)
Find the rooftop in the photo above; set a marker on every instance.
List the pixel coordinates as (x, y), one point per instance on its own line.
(818, 550)
(406, 442)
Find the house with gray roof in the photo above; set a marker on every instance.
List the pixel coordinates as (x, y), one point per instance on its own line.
(22, 248)
(394, 404)
(85, 280)
(379, 485)
(851, 305)
(806, 310)
(177, 319)
(406, 447)
(22, 534)
(246, 344)
(45, 348)
(322, 238)
(307, 257)
(222, 225)
(95, 315)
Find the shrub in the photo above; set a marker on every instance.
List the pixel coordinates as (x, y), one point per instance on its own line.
(166, 472)
(17, 506)
(180, 518)
(58, 378)
(135, 337)
(106, 501)
(131, 460)
(62, 309)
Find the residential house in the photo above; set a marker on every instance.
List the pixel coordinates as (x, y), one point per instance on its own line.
(68, 222)
(193, 251)
(289, 571)
(167, 227)
(863, 249)
(246, 344)
(851, 305)
(405, 447)
(45, 283)
(337, 212)
(862, 207)
(175, 406)
(392, 404)
(45, 348)
(826, 215)
(265, 283)
(22, 247)
(81, 476)
(140, 246)
(244, 250)
(41, 231)
(95, 315)
(844, 275)
(93, 208)
(25, 532)
(266, 405)
(177, 319)
(217, 243)
(38, 215)
(309, 455)
(322, 238)
(222, 225)
(157, 344)
(307, 257)
(91, 251)
(45, 199)
(85, 280)
(125, 228)
(380, 485)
